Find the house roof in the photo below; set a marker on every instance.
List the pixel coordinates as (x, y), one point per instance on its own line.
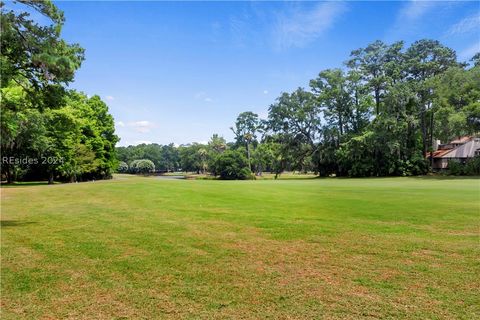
(439, 153)
(461, 140)
(466, 150)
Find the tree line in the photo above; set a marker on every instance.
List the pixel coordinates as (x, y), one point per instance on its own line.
(47, 130)
(381, 113)
(216, 157)
(378, 115)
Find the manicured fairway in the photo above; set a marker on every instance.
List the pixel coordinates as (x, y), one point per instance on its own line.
(146, 248)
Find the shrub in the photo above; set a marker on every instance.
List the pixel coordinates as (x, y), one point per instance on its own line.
(455, 168)
(232, 165)
(472, 167)
(142, 166)
(145, 166)
(133, 166)
(122, 167)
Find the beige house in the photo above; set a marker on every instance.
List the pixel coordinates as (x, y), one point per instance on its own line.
(459, 150)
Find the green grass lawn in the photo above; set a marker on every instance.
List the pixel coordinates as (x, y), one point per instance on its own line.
(145, 248)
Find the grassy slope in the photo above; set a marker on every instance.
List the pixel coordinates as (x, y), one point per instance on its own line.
(333, 248)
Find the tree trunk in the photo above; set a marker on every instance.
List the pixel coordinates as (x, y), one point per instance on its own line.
(340, 125)
(424, 133)
(9, 175)
(431, 141)
(50, 178)
(248, 156)
(377, 101)
(259, 170)
(357, 114)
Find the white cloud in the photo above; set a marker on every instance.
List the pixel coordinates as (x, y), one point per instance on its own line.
(202, 95)
(120, 124)
(265, 91)
(240, 29)
(470, 51)
(411, 16)
(110, 98)
(416, 9)
(143, 126)
(468, 24)
(299, 27)
(142, 141)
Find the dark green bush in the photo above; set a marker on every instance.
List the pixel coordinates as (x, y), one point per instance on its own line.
(232, 165)
(122, 167)
(455, 168)
(472, 167)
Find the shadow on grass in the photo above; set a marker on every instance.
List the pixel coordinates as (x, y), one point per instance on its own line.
(439, 177)
(14, 223)
(26, 184)
(431, 178)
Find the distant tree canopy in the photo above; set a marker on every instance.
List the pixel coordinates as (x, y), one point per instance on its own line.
(165, 158)
(47, 130)
(377, 116)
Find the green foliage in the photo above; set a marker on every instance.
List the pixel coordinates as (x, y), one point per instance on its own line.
(142, 166)
(416, 94)
(294, 120)
(379, 116)
(356, 154)
(122, 167)
(455, 168)
(470, 168)
(457, 96)
(191, 158)
(60, 133)
(165, 158)
(217, 144)
(246, 128)
(476, 59)
(232, 165)
(263, 158)
(35, 53)
(78, 137)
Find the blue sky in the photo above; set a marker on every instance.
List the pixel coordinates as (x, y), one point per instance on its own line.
(181, 71)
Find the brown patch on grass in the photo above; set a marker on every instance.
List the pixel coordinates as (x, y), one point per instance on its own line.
(465, 232)
(308, 269)
(104, 304)
(133, 252)
(29, 256)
